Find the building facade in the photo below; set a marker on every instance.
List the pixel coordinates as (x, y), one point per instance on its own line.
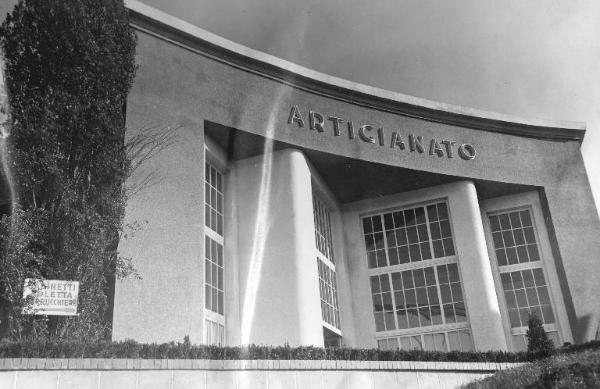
(295, 207)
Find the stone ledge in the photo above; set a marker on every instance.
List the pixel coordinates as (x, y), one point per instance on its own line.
(9, 364)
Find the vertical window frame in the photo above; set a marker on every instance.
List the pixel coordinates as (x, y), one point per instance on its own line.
(214, 158)
(387, 270)
(527, 200)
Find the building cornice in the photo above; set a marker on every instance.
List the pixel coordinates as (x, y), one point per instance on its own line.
(162, 25)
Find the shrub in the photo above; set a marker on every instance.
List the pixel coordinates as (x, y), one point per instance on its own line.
(537, 339)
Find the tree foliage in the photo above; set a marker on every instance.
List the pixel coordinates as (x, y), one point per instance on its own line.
(69, 65)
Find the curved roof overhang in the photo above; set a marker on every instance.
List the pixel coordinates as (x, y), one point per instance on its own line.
(181, 33)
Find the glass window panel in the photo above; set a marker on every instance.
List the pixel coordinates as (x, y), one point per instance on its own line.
(411, 232)
(432, 212)
(416, 342)
(543, 295)
(519, 237)
(405, 343)
(422, 296)
(377, 303)
(494, 223)
(456, 292)
(385, 282)
(425, 250)
(413, 317)
(409, 217)
(220, 278)
(511, 300)
(529, 234)
(399, 298)
(207, 271)
(429, 342)
(501, 256)
(548, 314)
(390, 324)
(514, 220)
(448, 246)
(420, 215)
(436, 232)
(436, 314)
(407, 279)
(215, 306)
(449, 313)
(466, 340)
(424, 316)
(372, 259)
(521, 298)
(207, 296)
(506, 281)
(511, 256)
(398, 219)
(527, 278)
(524, 314)
(504, 222)
(537, 312)
(429, 276)
(453, 272)
(538, 276)
(376, 223)
(433, 296)
(438, 249)
(370, 242)
(403, 254)
(522, 254)
(498, 241)
(517, 279)
(443, 274)
(442, 211)
(508, 238)
(391, 238)
(418, 277)
(374, 284)
(393, 256)
(513, 315)
(367, 225)
(388, 220)
(401, 237)
(534, 254)
(445, 226)
(402, 319)
(387, 301)
(446, 294)
(440, 342)
(379, 323)
(397, 281)
(526, 218)
(423, 235)
(381, 259)
(410, 298)
(378, 240)
(453, 340)
(220, 302)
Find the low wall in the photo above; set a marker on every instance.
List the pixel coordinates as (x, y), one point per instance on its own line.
(255, 374)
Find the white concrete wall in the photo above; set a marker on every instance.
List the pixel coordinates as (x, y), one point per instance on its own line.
(474, 264)
(200, 374)
(278, 276)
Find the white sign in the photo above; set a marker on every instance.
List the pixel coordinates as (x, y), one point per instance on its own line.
(50, 297)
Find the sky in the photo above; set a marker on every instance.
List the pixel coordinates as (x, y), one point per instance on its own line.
(533, 59)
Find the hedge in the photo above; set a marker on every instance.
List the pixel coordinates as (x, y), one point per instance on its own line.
(43, 348)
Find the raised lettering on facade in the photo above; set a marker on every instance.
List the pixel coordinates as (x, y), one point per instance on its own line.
(379, 136)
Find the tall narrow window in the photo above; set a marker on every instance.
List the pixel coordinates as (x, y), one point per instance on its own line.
(326, 266)
(213, 256)
(526, 292)
(416, 288)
